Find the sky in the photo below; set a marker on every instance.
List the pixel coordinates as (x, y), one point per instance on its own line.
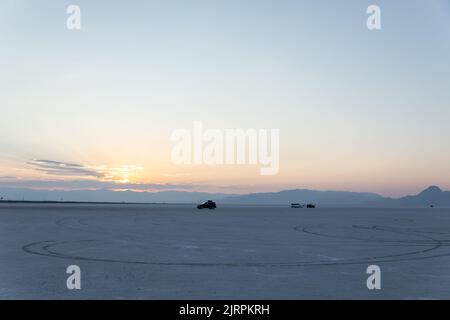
(356, 109)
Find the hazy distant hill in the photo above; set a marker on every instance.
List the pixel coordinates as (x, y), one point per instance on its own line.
(107, 196)
(430, 196)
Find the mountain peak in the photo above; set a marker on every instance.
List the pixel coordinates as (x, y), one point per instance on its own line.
(432, 190)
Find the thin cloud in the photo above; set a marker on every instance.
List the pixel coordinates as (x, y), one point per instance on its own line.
(64, 169)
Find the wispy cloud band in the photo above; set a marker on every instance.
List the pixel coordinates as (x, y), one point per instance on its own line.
(64, 169)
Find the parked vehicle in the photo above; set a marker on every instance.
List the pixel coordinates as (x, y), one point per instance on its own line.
(301, 206)
(207, 205)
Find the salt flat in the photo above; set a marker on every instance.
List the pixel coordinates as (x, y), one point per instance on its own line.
(179, 252)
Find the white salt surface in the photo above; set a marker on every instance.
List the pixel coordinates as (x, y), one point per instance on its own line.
(179, 252)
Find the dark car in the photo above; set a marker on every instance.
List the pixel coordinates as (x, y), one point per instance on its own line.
(207, 205)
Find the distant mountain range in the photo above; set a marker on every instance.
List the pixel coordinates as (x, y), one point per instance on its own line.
(322, 198)
(107, 196)
(430, 196)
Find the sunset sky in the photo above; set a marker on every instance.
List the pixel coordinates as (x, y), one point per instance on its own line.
(357, 110)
